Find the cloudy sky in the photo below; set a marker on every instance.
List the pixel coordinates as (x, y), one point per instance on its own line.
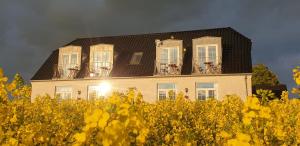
(31, 29)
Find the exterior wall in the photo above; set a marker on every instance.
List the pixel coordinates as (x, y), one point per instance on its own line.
(239, 84)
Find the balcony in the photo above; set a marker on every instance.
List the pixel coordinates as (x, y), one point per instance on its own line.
(168, 68)
(100, 69)
(67, 71)
(207, 66)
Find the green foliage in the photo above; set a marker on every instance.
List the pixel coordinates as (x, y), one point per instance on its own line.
(261, 75)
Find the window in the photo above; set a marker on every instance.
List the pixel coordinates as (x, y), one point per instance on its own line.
(166, 91)
(136, 58)
(101, 61)
(69, 61)
(99, 91)
(205, 91)
(94, 92)
(169, 56)
(63, 92)
(207, 54)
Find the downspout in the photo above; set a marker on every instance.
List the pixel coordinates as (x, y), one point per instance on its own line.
(246, 85)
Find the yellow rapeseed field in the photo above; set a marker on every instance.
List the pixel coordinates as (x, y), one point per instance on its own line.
(124, 119)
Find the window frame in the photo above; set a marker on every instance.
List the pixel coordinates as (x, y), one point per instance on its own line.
(102, 54)
(169, 54)
(66, 67)
(134, 58)
(215, 89)
(166, 91)
(206, 46)
(98, 65)
(56, 92)
(98, 92)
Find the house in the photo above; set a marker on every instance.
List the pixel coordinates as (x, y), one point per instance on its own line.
(202, 64)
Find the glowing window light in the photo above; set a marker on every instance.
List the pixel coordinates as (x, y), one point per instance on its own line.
(103, 88)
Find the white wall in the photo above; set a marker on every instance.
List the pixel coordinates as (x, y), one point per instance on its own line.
(239, 84)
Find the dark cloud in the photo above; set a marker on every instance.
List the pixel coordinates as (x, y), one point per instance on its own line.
(31, 29)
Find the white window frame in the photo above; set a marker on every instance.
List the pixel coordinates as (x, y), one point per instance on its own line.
(64, 93)
(215, 88)
(98, 92)
(207, 53)
(166, 91)
(101, 51)
(169, 54)
(66, 67)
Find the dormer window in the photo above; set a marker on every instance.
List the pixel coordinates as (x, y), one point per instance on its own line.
(136, 58)
(68, 62)
(101, 60)
(169, 57)
(207, 55)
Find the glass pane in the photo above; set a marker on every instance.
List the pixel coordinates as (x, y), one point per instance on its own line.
(205, 85)
(162, 95)
(164, 56)
(105, 56)
(212, 54)
(201, 56)
(211, 93)
(67, 95)
(63, 89)
(73, 59)
(136, 58)
(201, 95)
(173, 56)
(63, 92)
(166, 86)
(65, 59)
(172, 94)
(96, 56)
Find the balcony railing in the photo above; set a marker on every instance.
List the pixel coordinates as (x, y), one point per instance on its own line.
(207, 66)
(168, 68)
(100, 69)
(66, 71)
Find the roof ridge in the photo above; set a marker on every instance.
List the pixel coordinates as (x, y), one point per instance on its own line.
(154, 33)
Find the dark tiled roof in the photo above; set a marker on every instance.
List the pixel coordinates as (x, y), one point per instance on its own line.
(236, 52)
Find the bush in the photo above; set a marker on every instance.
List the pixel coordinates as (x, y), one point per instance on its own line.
(124, 119)
(127, 120)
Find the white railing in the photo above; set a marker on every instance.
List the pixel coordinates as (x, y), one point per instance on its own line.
(207, 66)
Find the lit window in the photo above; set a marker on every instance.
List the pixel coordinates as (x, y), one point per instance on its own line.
(205, 91)
(98, 91)
(70, 61)
(166, 91)
(207, 54)
(63, 92)
(169, 59)
(101, 61)
(136, 58)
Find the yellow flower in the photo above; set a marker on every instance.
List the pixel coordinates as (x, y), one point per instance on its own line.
(80, 137)
(247, 120)
(103, 121)
(224, 134)
(167, 138)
